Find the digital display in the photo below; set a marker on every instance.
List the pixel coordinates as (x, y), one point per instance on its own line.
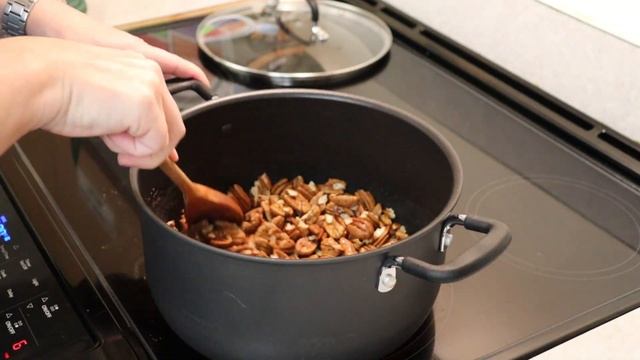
(15, 349)
(4, 231)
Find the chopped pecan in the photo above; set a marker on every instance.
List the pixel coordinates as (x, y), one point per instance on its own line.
(254, 252)
(401, 233)
(375, 219)
(346, 218)
(333, 209)
(241, 197)
(366, 199)
(239, 248)
(262, 244)
(279, 187)
(385, 219)
(334, 186)
(278, 221)
(223, 242)
(267, 230)
(333, 228)
(320, 199)
(293, 231)
(297, 181)
(279, 254)
(285, 244)
(380, 236)
(344, 200)
(201, 229)
(172, 224)
(294, 219)
(311, 217)
(305, 247)
(278, 208)
(266, 207)
(262, 186)
(301, 226)
(305, 190)
(360, 228)
(347, 247)
(264, 181)
(296, 201)
(390, 213)
(390, 242)
(366, 248)
(316, 230)
(253, 220)
(330, 247)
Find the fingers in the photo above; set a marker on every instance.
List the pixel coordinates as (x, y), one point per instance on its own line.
(175, 124)
(160, 127)
(172, 64)
(174, 155)
(142, 162)
(121, 96)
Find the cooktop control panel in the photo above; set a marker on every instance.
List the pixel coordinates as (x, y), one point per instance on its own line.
(36, 320)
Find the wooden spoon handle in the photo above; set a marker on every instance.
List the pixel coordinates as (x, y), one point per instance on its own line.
(176, 175)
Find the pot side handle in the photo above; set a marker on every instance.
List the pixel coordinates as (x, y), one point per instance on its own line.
(179, 85)
(477, 257)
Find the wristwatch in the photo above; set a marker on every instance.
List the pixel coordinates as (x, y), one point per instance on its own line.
(15, 15)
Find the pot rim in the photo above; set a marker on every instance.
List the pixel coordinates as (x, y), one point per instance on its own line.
(413, 120)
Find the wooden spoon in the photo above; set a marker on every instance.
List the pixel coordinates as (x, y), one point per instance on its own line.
(200, 201)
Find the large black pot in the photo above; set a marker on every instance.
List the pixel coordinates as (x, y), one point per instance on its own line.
(228, 305)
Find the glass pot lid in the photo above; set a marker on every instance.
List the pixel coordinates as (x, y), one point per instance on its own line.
(295, 42)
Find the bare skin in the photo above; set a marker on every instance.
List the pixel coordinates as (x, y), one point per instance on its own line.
(77, 77)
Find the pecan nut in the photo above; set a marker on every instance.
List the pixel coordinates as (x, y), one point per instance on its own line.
(296, 201)
(333, 228)
(295, 220)
(241, 197)
(305, 247)
(330, 247)
(344, 200)
(347, 247)
(366, 199)
(360, 228)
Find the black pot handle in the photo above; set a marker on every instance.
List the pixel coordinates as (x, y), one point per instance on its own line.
(315, 12)
(179, 85)
(477, 257)
(317, 33)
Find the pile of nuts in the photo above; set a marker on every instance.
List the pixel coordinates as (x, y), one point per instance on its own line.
(293, 219)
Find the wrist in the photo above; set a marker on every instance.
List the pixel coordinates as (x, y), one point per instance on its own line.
(32, 89)
(48, 18)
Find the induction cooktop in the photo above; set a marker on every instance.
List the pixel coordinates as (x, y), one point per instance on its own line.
(573, 208)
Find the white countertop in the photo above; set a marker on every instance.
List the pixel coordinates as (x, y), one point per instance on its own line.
(587, 68)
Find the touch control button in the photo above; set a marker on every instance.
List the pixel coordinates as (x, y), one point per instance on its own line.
(4, 253)
(15, 337)
(14, 328)
(25, 264)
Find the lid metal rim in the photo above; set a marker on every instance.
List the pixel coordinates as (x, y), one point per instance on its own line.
(280, 78)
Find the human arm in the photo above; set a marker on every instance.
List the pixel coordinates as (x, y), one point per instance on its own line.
(82, 90)
(53, 18)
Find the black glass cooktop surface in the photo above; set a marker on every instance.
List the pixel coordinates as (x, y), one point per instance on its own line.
(572, 265)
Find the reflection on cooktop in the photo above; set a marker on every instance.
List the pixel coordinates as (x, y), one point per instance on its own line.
(575, 243)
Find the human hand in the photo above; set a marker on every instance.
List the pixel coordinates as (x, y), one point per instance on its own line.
(52, 18)
(118, 95)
